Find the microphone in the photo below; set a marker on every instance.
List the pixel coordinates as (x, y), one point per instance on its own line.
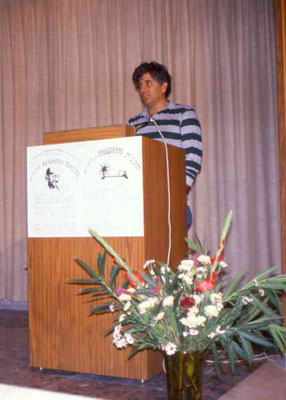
(152, 119)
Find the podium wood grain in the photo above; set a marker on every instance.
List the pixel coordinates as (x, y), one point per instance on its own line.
(62, 333)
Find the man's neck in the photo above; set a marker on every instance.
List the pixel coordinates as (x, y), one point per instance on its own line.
(157, 108)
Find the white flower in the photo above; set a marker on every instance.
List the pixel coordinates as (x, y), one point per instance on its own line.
(223, 264)
(159, 316)
(193, 310)
(117, 328)
(127, 306)
(192, 320)
(163, 269)
(204, 259)
(148, 263)
(186, 278)
(211, 311)
(201, 272)
(245, 300)
(216, 297)
(193, 332)
(116, 336)
(111, 308)
(124, 297)
(261, 292)
(170, 348)
(122, 317)
(120, 343)
(212, 335)
(147, 304)
(219, 331)
(129, 338)
(198, 298)
(168, 301)
(186, 265)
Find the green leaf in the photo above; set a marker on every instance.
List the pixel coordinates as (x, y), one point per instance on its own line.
(101, 264)
(256, 339)
(101, 308)
(135, 350)
(232, 286)
(109, 249)
(231, 356)
(239, 350)
(263, 307)
(247, 348)
(216, 357)
(263, 273)
(113, 274)
(147, 279)
(84, 281)
(87, 268)
(196, 245)
(94, 290)
(273, 298)
(279, 335)
(226, 226)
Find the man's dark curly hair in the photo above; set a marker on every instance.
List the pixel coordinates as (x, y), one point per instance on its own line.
(158, 71)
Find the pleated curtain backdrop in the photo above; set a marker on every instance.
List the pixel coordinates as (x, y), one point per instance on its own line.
(67, 64)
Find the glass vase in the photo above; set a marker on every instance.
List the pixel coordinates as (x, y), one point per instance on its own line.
(184, 375)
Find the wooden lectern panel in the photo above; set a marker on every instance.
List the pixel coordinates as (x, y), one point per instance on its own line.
(81, 135)
(62, 334)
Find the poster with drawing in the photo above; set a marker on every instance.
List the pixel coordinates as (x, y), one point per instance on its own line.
(76, 186)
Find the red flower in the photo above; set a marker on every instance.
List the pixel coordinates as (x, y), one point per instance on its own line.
(187, 302)
(220, 258)
(133, 283)
(206, 285)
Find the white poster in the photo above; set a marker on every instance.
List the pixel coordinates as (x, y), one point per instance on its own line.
(76, 186)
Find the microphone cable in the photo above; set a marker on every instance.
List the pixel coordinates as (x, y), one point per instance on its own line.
(168, 189)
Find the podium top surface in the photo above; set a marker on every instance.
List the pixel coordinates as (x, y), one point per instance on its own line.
(95, 133)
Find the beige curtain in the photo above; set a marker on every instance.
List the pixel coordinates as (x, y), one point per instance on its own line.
(67, 64)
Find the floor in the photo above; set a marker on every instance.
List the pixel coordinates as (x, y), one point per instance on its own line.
(15, 370)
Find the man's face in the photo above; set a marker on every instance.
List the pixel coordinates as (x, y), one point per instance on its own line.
(151, 92)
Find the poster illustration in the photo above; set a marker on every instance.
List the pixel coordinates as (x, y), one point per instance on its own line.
(76, 186)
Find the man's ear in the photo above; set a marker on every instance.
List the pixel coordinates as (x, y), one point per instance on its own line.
(164, 87)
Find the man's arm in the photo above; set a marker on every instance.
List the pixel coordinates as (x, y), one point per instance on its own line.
(192, 144)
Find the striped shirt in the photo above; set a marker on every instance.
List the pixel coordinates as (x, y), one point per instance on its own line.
(180, 126)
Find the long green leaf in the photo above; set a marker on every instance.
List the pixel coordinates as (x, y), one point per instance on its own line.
(279, 338)
(247, 347)
(113, 274)
(87, 268)
(101, 264)
(84, 281)
(256, 339)
(232, 286)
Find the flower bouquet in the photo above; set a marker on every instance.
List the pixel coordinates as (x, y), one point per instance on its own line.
(187, 310)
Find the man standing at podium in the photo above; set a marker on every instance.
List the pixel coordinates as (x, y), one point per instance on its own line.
(177, 123)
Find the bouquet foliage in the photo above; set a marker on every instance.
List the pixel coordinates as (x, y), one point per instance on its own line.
(189, 308)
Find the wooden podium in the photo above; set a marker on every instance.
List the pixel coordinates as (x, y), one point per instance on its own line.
(62, 334)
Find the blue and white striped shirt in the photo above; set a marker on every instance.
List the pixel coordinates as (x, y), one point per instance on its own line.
(180, 126)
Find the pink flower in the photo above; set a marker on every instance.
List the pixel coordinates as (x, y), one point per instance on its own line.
(120, 291)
